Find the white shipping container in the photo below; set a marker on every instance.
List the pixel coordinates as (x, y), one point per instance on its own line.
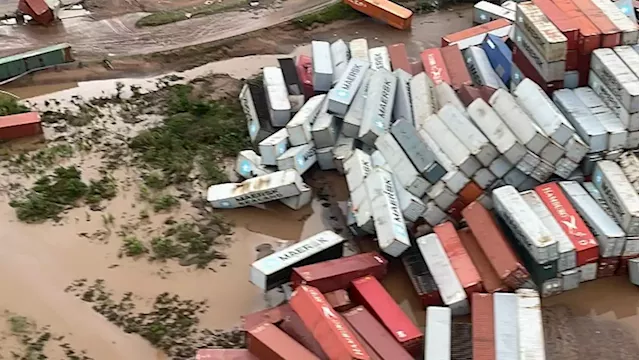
(588, 272)
(566, 250)
(618, 193)
(324, 158)
(442, 196)
(484, 12)
(353, 118)
(446, 95)
(551, 287)
(597, 196)
(299, 158)
(529, 162)
(299, 128)
(454, 178)
(617, 133)
(359, 49)
(490, 123)
(609, 235)
(357, 168)
(423, 98)
(422, 157)
(273, 146)
(277, 95)
(451, 291)
(325, 130)
(378, 106)
(525, 224)
(361, 207)
(630, 121)
(511, 5)
(250, 113)
(506, 329)
(522, 126)
(629, 164)
(543, 111)
(565, 168)
(341, 96)
(633, 271)
(248, 165)
(449, 143)
(478, 144)
(402, 167)
(570, 279)
(391, 230)
(412, 207)
(629, 57)
(530, 329)
(379, 58)
(258, 190)
(550, 71)
(575, 149)
(437, 339)
(480, 68)
(322, 65)
(586, 125)
(402, 104)
(433, 215)
(545, 36)
(342, 151)
(377, 160)
(632, 141)
(299, 201)
(339, 59)
(621, 81)
(552, 152)
(500, 166)
(628, 27)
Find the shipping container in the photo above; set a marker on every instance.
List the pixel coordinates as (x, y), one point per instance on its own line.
(484, 178)
(375, 334)
(627, 27)
(378, 106)
(544, 35)
(357, 168)
(299, 158)
(343, 150)
(248, 165)
(434, 66)
(259, 128)
(585, 124)
(401, 165)
(293, 326)
(632, 141)
(482, 320)
(454, 178)
(339, 59)
(379, 59)
(629, 57)
(505, 309)
(494, 244)
(275, 269)
(273, 146)
(623, 266)
(575, 149)
(437, 339)
(484, 12)
(523, 68)
(621, 81)
(619, 194)
(460, 260)
(567, 25)
(20, 125)
(470, 192)
(399, 57)
(322, 65)
(339, 299)
(570, 221)
(530, 336)
(412, 206)
(290, 73)
(456, 68)
(433, 215)
(327, 326)
(305, 73)
(224, 354)
(480, 68)
(299, 128)
(353, 118)
(341, 96)
(325, 130)
(571, 79)
(446, 95)
(515, 177)
(266, 341)
(337, 274)
(478, 144)
(387, 11)
(474, 36)
(273, 315)
(359, 49)
(277, 95)
(611, 35)
(421, 278)
(597, 85)
(299, 201)
(362, 208)
(616, 132)
(450, 144)
(589, 36)
(441, 195)
(500, 166)
(461, 341)
(435, 257)
(607, 267)
(423, 98)
(402, 103)
(633, 271)
(529, 163)
(499, 56)
(629, 164)
(570, 279)
(549, 71)
(18, 64)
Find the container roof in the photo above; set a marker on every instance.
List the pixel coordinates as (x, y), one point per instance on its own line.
(19, 119)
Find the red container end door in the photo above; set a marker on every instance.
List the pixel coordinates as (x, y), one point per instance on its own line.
(268, 342)
(434, 66)
(305, 73)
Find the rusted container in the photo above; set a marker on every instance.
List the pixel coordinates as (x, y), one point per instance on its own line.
(421, 278)
(461, 341)
(494, 244)
(387, 11)
(529, 71)
(460, 260)
(399, 57)
(268, 342)
(589, 36)
(567, 26)
(434, 66)
(272, 315)
(607, 266)
(369, 292)
(483, 335)
(572, 60)
(470, 193)
(293, 326)
(337, 274)
(326, 325)
(611, 35)
(474, 35)
(339, 299)
(38, 10)
(224, 354)
(490, 280)
(20, 125)
(305, 74)
(375, 334)
(456, 67)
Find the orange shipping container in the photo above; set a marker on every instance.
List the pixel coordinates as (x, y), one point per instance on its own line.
(476, 31)
(20, 125)
(482, 327)
(589, 37)
(460, 261)
(490, 280)
(471, 191)
(399, 57)
(611, 35)
(391, 13)
(434, 66)
(224, 354)
(272, 315)
(456, 67)
(268, 342)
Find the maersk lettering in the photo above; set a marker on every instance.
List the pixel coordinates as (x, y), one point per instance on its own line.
(533, 54)
(384, 99)
(534, 34)
(351, 77)
(285, 256)
(615, 204)
(389, 190)
(377, 59)
(366, 167)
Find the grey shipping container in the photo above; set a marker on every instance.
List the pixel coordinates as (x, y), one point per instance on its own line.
(446, 95)
(531, 330)
(575, 149)
(620, 80)
(325, 158)
(402, 105)
(484, 178)
(480, 68)
(618, 193)
(353, 118)
(552, 152)
(299, 128)
(342, 151)
(570, 279)
(322, 65)
(454, 178)
(341, 96)
(417, 150)
(629, 120)
(571, 79)
(586, 125)
(325, 130)
(400, 164)
(378, 106)
(300, 158)
(450, 144)
(514, 177)
(629, 57)
(500, 166)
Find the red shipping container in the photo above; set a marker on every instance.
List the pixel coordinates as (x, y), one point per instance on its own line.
(224, 354)
(399, 57)
(623, 265)
(494, 244)
(530, 72)
(572, 224)
(490, 280)
(339, 300)
(611, 35)
(305, 73)
(460, 261)
(456, 67)
(272, 315)
(38, 10)
(571, 63)
(416, 67)
(474, 31)
(20, 125)
(293, 326)
(567, 26)
(486, 92)
(336, 340)
(455, 210)
(471, 191)
(337, 274)
(467, 94)
(482, 327)
(375, 334)
(369, 292)
(267, 342)
(367, 347)
(421, 278)
(584, 65)
(607, 267)
(434, 66)
(589, 37)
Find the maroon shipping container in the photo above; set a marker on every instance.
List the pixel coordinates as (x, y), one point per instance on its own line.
(571, 63)
(456, 67)
(471, 191)
(336, 340)
(623, 265)
(367, 347)
(461, 341)
(455, 210)
(293, 326)
(460, 261)
(272, 315)
(611, 35)
(607, 267)
(530, 72)
(337, 274)
(421, 278)
(399, 57)
(267, 342)
(494, 244)
(305, 73)
(482, 327)
(584, 65)
(339, 300)
(589, 37)
(468, 93)
(487, 92)
(567, 26)
(38, 10)
(416, 67)
(375, 334)
(224, 354)
(20, 125)
(490, 280)
(369, 292)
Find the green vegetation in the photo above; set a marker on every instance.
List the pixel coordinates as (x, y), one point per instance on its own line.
(164, 203)
(41, 159)
(196, 135)
(168, 17)
(10, 106)
(19, 324)
(133, 247)
(154, 181)
(329, 14)
(64, 189)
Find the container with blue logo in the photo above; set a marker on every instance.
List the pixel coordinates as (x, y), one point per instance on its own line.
(248, 165)
(274, 146)
(378, 106)
(300, 158)
(499, 56)
(341, 96)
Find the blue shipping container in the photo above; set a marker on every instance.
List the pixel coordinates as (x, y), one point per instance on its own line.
(499, 56)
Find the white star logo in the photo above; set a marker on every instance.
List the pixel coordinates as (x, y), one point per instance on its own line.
(245, 168)
(281, 148)
(379, 124)
(483, 17)
(225, 204)
(253, 128)
(300, 161)
(342, 93)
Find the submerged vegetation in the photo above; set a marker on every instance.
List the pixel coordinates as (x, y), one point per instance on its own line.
(171, 16)
(10, 106)
(329, 14)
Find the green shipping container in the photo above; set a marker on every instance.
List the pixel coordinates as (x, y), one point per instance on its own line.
(18, 64)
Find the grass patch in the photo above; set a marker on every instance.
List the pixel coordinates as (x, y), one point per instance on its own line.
(19, 324)
(102, 189)
(11, 106)
(196, 134)
(168, 17)
(165, 203)
(329, 14)
(133, 247)
(41, 159)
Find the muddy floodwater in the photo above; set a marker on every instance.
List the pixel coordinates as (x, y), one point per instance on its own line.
(38, 261)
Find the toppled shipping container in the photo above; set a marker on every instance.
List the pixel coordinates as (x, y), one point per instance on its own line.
(490, 280)
(341, 96)
(619, 194)
(299, 128)
(266, 341)
(437, 340)
(460, 260)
